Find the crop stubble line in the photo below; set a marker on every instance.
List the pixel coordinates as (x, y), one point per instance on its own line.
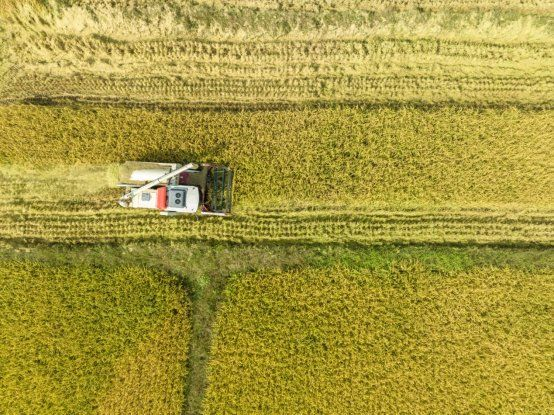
(76, 49)
(78, 212)
(107, 226)
(400, 67)
(379, 69)
(502, 90)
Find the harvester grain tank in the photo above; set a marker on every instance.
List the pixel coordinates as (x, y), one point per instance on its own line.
(175, 189)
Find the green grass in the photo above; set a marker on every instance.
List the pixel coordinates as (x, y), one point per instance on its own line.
(197, 261)
(90, 339)
(402, 340)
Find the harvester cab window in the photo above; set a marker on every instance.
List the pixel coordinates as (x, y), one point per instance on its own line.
(177, 198)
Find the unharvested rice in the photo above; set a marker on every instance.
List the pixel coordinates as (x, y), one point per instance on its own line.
(337, 341)
(84, 340)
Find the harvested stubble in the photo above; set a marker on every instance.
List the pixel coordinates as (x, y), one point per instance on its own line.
(406, 341)
(83, 340)
(496, 225)
(51, 208)
(281, 56)
(527, 6)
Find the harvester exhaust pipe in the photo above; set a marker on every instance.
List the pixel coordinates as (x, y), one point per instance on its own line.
(124, 200)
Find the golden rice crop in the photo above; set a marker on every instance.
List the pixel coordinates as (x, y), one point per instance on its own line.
(150, 379)
(231, 53)
(296, 158)
(406, 341)
(83, 340)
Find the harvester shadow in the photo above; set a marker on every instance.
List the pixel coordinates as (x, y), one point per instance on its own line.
(77, 101)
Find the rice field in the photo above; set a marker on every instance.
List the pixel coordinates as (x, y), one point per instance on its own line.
(238, 53)
(360, 175)
(424, 126)
(91, 340)
(409, 340)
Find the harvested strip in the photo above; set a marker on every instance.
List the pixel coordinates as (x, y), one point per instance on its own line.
(279, 56)
(121, 22)
(441, 226)
(486, 90)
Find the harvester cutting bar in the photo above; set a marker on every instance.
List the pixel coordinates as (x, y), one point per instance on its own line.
(221, 190)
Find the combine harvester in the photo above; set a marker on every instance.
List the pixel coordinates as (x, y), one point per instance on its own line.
(176, 189)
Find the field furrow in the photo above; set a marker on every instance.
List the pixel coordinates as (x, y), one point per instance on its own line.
(385, 89)
(529, 6)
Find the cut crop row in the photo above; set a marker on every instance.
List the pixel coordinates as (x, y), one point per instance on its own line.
(441, 226)
(485, 90)
(330, 56)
